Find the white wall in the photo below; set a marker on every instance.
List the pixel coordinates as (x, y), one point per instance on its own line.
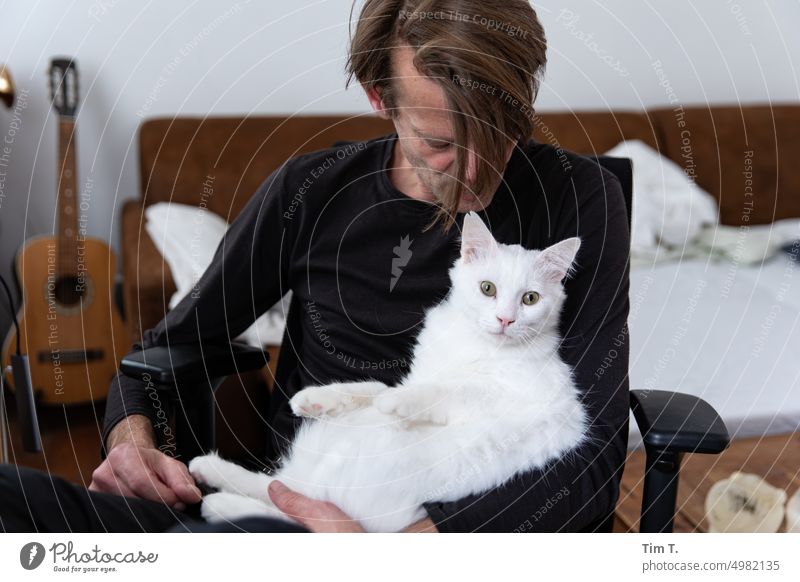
(139, 59)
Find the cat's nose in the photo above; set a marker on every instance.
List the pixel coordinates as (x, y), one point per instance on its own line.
(505, 322)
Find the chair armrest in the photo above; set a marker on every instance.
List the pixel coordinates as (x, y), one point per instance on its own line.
(176, 364)
(190, 374)
(676, 422)
(671, 424)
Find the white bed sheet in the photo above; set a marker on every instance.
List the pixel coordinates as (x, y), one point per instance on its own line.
(726, 333)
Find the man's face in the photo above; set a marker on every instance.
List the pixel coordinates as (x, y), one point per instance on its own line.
(425, 136)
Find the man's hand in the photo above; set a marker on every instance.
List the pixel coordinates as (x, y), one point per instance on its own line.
(318, 516)
(146, 473)
(422, 526)
(135, 468)
(323, 516)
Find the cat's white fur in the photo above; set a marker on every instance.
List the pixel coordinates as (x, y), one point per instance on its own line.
(479, 404)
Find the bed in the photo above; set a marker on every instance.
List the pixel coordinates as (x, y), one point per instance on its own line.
(725, 332)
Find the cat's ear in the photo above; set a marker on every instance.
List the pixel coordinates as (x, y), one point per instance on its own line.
(557, 261)
(476, 239)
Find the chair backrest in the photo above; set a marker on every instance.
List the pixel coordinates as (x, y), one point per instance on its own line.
(622, 168)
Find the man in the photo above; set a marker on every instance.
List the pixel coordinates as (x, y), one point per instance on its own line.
(363, 234)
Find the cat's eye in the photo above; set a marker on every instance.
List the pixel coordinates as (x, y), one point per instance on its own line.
(488, 288)
(530, 298)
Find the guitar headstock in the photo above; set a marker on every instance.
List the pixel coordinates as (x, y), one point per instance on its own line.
(63, 77)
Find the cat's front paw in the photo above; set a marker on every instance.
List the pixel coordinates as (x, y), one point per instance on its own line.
(230, 506)
(410, 408)
(211, 471)
(318, 401)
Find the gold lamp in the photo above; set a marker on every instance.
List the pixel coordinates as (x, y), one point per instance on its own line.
(6, 86)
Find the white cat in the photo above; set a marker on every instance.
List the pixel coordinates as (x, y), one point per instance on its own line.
(486, 396)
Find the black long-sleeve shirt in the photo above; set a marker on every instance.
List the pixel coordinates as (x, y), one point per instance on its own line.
(330, 226)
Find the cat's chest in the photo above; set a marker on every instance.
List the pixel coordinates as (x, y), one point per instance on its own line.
(475, 368)
(470, 363)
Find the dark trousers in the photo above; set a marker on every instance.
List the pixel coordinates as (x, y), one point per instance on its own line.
(34, 501)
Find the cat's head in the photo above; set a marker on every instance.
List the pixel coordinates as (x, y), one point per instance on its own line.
(506, 289)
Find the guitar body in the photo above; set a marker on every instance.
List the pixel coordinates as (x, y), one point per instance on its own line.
(70, 327)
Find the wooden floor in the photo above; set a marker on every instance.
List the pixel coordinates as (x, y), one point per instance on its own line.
(71, 445)
(70, 441)
(775, 459)
(71, 435)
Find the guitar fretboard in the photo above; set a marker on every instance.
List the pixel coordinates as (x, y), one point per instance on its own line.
(67, 206)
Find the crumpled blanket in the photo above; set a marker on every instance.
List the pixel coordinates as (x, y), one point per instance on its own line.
(674, 219)
(741, 245)
(669, 209)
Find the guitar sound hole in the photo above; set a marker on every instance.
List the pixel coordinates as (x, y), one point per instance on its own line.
(69, 290)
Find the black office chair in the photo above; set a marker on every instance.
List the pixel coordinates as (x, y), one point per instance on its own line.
(671, 423)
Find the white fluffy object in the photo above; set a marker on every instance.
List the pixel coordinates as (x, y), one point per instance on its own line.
(744, 503)
(793, 513)
(669, 209)
(187, 237)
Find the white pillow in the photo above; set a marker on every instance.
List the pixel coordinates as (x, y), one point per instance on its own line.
(187, 237)
(669, 209)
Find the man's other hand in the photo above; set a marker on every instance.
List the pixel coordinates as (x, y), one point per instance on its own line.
(318, 516)
(323, 516)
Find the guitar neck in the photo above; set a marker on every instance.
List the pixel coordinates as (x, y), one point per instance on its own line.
(67, 261)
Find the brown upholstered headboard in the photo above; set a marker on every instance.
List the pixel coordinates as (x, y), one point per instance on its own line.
(179, 155)
(715, 145)
(748, 157)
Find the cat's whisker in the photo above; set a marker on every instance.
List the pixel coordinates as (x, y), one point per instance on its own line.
(561, 340)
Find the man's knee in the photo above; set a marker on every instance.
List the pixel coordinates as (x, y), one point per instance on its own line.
(10, 487)
(18, 485)
(13, 512)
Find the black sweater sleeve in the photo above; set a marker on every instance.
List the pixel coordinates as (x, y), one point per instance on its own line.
(245, 278)
(572, 493)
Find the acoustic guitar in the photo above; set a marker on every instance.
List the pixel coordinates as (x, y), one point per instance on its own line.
(70, 326)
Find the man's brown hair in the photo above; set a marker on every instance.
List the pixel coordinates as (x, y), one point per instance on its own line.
(487, 57)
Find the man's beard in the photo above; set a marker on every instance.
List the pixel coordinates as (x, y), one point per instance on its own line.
(436, 184)
(470, 199)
